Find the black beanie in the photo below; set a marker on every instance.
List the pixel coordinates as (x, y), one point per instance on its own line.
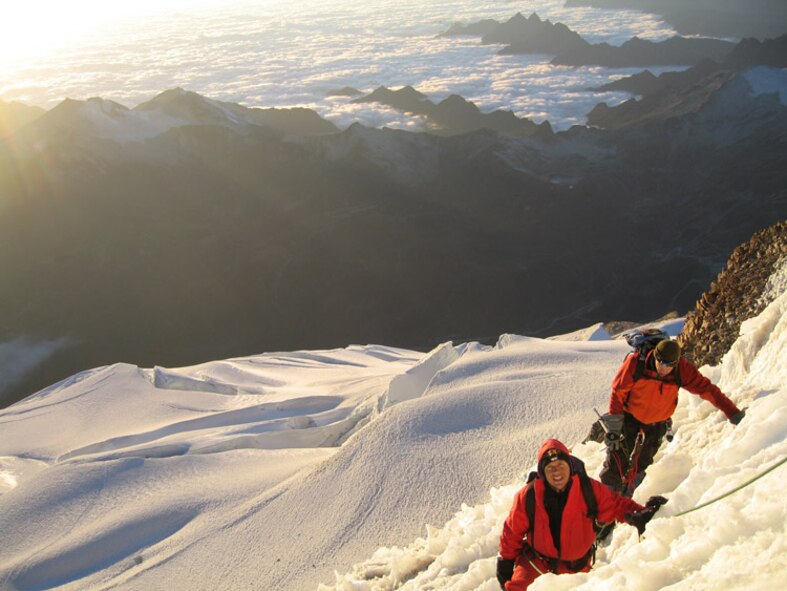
(668, 351)
(550, 456)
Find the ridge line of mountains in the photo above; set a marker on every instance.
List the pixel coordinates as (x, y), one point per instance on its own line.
(522, 35)
(453, 115)
(188, 229)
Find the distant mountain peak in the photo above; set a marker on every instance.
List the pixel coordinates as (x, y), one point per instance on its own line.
(95, 115)
(187, 105)
(105, 119)
(533, 35)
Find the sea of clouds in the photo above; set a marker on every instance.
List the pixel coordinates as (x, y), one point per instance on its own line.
(277, 53)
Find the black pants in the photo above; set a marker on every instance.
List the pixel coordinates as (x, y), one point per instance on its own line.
(618, 463)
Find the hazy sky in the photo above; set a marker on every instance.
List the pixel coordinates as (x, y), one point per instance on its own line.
(282, 53)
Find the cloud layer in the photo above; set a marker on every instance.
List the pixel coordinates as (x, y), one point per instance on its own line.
(282, 54)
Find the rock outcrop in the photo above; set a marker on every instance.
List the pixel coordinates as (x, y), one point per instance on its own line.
(739, 293)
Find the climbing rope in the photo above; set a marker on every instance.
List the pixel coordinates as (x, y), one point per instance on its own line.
(734, 490)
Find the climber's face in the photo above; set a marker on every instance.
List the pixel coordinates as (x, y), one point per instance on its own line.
(557, 474)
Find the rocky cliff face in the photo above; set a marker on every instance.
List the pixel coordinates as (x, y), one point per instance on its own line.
(739, 293)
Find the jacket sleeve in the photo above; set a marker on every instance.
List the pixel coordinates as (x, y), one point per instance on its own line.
(622, 384)
(514, 528)
(696, 383)
(611, 505)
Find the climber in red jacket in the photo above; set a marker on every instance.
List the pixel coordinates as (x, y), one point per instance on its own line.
(644, 396)
(560, 536)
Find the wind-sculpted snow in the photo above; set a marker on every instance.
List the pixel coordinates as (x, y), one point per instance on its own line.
(414, 381)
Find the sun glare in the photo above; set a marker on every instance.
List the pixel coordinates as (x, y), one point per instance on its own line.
(34, 29)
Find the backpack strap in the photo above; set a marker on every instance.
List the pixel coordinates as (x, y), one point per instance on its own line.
(639, 370)
(530, 506)
(587, 489)
(590, 499)
(530, 502)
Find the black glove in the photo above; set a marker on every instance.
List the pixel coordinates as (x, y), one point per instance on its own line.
(505, 570)
(738, 417)
(656, 502)
(639, 519)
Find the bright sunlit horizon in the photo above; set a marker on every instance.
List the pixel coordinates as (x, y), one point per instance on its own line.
(35, 29)
(278, 53)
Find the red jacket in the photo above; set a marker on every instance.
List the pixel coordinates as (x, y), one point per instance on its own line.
(652, 399)
(576, 530)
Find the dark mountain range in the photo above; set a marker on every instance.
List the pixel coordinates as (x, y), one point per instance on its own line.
(406, 98)
(146, 236)
(645, 83)
(345, 91)
(533, 35)
(193, 108)
(454, 115)
(680, 92)
(639, 52)
(752, 52)
(478, 28)
(761, 19)
(524, 35)
(174, 108)
(668, 101)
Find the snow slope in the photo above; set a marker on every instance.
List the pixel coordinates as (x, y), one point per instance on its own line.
(737, 542)
(274, 471)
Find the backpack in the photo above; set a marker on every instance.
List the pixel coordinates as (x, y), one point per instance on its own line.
(643, 341)
(578, 468)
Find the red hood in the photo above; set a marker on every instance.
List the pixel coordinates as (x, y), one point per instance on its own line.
(552, 444)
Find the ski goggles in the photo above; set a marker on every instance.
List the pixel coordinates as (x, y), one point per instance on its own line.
(666, 363)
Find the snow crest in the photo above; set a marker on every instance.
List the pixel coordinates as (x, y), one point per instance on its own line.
(414, 382)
